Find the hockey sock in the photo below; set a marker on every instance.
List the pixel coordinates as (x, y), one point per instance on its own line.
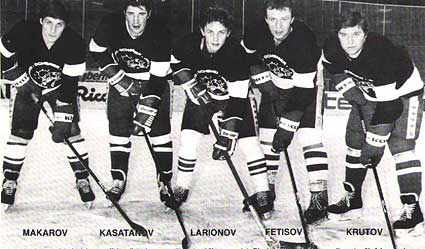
(355, 172)
(187, 157)
(409, 173)
(14, 157)
(272, 159)
(120, 153)
(256, 162)
(163, 149)
(316, 160)
(79, 144)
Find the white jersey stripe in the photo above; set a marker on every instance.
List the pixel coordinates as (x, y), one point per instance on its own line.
(94, 47)
(74, 70)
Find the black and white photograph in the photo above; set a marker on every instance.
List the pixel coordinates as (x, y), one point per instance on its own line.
(212, 124)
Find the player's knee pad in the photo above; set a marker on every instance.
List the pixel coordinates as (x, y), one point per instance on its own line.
(251, 148)
(189, 140)
(121, 129)
(309, 136)
(406, 156)
(352, 158)
(23, 134)
(75, 130)
(266, 134)
(354, 138)
(398, 145)
(163, 139)
(266, 139)
(119, 140)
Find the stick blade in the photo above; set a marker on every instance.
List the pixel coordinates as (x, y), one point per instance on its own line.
(139, 229)
(185, 243)
(293, 245)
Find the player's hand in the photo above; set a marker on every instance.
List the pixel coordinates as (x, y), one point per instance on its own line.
(371, 155)
(287, 126)
(226, 142)
(349, 90)
(376, 139)
(63, 117)
(147, 108)
(125, 85)
(22, 82)
(197, 92)
(261, 76)
(281, 140)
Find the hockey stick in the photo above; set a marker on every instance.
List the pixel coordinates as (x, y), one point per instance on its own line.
(185, 240)
(378, 185)
(133, 225)
(309, 244)
(271, 242)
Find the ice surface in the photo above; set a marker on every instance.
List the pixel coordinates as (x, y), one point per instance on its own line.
(47, 198)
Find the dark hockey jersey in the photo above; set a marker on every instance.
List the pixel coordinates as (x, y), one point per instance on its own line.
(225, 73)
(292, 63)
(384, 72)
(56, 68)
(140, 58)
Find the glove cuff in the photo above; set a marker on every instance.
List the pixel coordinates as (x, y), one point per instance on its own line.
(261, 78)
(21, 80)
(376, 140)
(116, 78)
(345, 85)
(63, 117)
(288, 124)
(229, 134)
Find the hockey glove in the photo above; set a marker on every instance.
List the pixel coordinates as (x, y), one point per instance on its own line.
(287, 126)
(191, 87)
(147, 109)
(262, 78)
(349, 90)
(226, 142)
(22, 82)
(63, 116)
(373, 149)
(120, 81)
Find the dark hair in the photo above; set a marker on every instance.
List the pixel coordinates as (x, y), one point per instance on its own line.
(351, 18)
(137, 3)
(217, 14)
(55, 9)
(279, 5)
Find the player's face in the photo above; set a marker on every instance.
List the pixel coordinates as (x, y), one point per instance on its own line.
(136, 19)
(215, 34)
(352, 40)
(51, 29)
(279, 22)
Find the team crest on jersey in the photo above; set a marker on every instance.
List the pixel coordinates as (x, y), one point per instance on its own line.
(45, 74)
(366, 85)
(215, 83)
(278, 66)
(131, 60)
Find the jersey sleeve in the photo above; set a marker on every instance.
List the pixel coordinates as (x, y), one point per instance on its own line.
(11, 42)
(181, 59)
(74, 67)
(100, 42)
(238, 81)
(160, 64)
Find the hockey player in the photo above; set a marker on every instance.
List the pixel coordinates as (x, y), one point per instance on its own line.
(134, 53)
(284, 67)
(212, 67)
(380, 80)
(43, 59)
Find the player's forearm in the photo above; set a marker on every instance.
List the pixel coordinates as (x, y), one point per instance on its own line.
(69, 89)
